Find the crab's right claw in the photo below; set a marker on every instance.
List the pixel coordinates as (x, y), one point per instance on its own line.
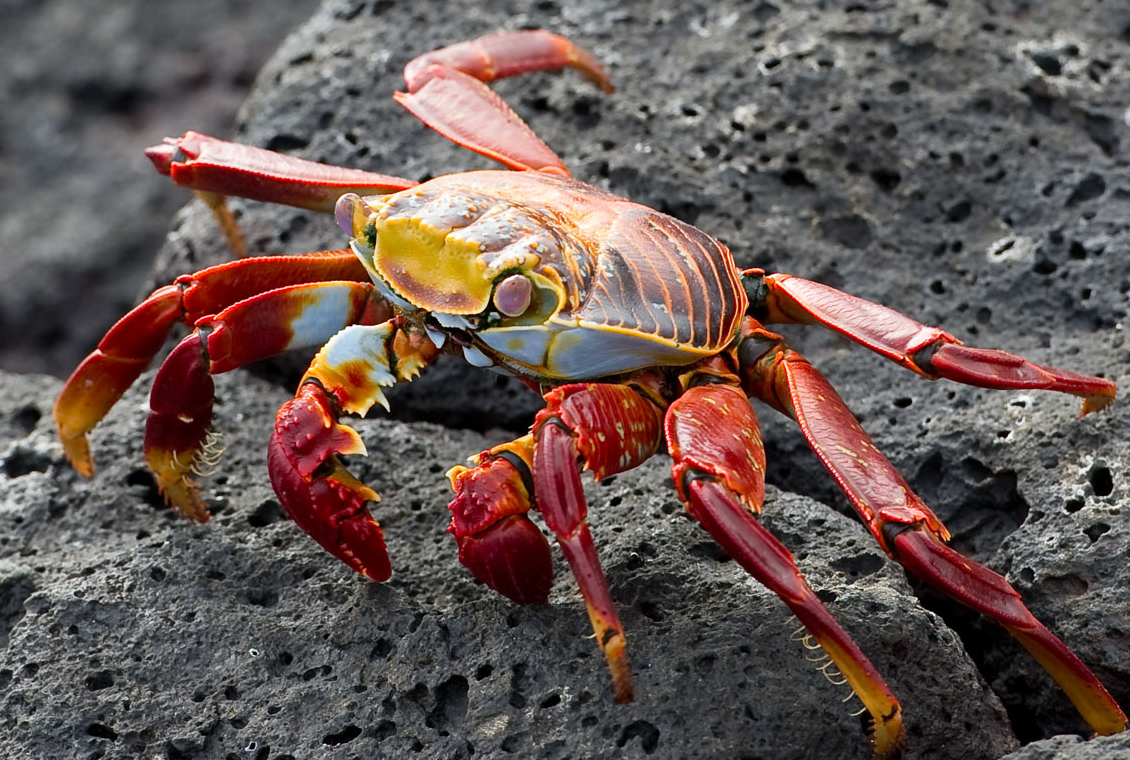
(316, 490)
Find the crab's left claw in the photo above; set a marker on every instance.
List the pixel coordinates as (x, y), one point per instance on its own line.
(316, 490)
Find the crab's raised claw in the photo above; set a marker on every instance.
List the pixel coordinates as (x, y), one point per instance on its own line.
(178, 444)
(324, 499)
(719, 466)
(497, 542)
(611, 428)
(902, 523)
(929, 351)
(446, 91)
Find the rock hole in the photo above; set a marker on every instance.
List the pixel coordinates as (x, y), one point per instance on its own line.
(344, 736)
(268, 512)
(1089, 188)
(647, 733)
(451, 703)
(1101, 481)
(103, 679)
(1096, 530)
(101, 731)
(25, 418)
(22, 461)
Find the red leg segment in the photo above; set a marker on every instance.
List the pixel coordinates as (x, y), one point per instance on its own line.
(610, 428)
(446, 91)
(130, 345)
(209, 164)
(497, 541)
(176, 433)
(929, 351)
(719, 465)
(508, 54)
(903, 525)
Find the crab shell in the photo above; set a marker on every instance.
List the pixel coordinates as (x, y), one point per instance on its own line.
(614, 286)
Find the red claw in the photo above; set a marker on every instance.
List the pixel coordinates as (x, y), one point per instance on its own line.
(316, 490)
(497, 541)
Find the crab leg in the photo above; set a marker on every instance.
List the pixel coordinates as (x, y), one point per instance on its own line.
(313, 485)
(929, 351)
(902, 523)
(497, 541)
(610, 428)
(130, 345)
(446, 91)
(297, 316)
(719, 472)
(217, 168)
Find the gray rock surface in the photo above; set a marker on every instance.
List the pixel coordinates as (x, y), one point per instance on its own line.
(964, 164)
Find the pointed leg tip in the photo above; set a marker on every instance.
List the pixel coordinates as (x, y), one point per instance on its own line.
(615, 652)
(886, 732)
(1096, 403)
(77, 451)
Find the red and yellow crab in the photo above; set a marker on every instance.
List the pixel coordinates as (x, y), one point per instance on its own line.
(636, 328)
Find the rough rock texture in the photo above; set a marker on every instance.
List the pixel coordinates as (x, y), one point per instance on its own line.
(963, 162)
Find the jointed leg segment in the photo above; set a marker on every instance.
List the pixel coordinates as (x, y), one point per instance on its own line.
(901, 522)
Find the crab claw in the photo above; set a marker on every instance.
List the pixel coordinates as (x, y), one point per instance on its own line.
(497, 542)
(316, 490)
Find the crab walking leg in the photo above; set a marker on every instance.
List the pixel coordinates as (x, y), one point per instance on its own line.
(610, 428)
(446, 91)
(297, 316)
(929, 351)
(507, 54)
(130, 345)
(902, 523)
(217, 168)
(497, 541)
(314, 487)
(719, 472)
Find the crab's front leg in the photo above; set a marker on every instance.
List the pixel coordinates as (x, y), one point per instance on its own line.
(315, 488)
(719, 472)
(606, 428)
(217, 168)
(130, 345)
(901, 522)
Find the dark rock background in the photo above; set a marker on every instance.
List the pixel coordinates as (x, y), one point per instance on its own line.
(963, 162)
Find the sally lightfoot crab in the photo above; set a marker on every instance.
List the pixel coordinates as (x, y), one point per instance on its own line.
(636, 328)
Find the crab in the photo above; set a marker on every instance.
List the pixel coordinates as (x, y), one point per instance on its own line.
(636, 328)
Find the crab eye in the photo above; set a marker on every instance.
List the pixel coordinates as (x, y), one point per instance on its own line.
(512, 295)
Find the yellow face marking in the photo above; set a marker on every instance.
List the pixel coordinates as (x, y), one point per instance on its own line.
(433, 270)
